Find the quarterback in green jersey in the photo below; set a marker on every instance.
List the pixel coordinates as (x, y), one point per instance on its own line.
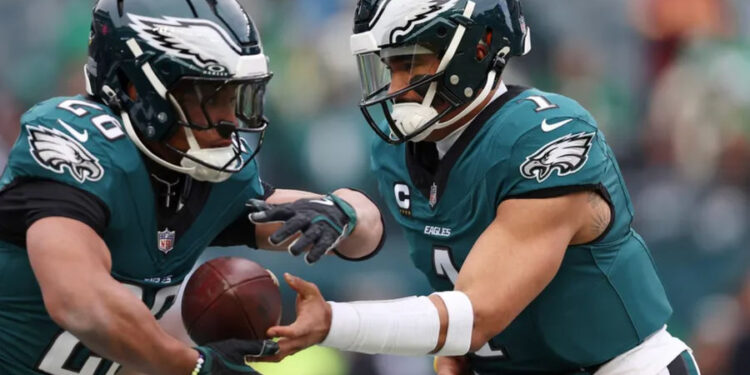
(513, 206)
(108, 199)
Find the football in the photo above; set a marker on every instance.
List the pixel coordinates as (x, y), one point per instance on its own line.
(230, 298)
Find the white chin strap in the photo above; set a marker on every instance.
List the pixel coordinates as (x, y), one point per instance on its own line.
(215, 156)
(410, 117)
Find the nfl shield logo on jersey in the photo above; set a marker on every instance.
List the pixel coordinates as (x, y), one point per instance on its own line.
(166, 240)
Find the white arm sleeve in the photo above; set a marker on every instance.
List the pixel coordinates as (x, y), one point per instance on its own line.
(406, 326)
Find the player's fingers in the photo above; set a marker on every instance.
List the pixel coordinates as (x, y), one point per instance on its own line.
(290, 227)
(271, 214)
(308, 238)
(303, 288)
(256, 205)
(282, 331)
(324, 244)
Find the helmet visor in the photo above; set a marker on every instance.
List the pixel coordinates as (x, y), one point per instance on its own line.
(220, 103)
(392, 72)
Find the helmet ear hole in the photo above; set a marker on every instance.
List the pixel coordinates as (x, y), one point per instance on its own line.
(120, 6)
(483, 47)
(123, 80)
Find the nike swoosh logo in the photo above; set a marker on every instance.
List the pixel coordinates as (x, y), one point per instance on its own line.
(550, 127)
(81, 137)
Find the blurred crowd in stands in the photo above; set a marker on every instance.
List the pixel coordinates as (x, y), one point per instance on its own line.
(667, 80)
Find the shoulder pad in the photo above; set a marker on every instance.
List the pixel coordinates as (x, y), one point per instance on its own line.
(536, 110)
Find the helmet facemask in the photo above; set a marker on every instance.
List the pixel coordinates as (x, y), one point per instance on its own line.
(403, 81)
(166, 74)
(234, 109)
(454, 32)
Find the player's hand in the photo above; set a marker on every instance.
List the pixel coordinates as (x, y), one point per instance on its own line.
(312, 324)
(230, 357)
(451, 366)
(323, 222)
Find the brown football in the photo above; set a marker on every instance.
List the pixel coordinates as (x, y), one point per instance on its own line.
(229, 298)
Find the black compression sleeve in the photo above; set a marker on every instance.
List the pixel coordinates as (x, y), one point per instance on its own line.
(23, 202)
(268, 189)
(240, 232)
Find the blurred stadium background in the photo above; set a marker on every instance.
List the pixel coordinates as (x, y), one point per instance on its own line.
(668, 81)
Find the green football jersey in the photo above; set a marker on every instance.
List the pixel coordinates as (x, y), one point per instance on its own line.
(606, 297)
(81, 143)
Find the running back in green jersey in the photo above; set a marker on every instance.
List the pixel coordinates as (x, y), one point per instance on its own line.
(605, 299)
(79, 142)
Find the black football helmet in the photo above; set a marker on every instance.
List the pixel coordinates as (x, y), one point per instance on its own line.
(176, 54)
(450, 31)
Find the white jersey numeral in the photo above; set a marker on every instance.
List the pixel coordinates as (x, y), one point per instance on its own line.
(65, 346)
(109, 126)
(445, 268)
(542, 104)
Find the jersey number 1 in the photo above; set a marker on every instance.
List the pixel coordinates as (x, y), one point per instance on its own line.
(444, 267)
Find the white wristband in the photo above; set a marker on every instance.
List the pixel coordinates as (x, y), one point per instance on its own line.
(460, 323)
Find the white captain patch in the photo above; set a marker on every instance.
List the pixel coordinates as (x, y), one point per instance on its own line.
(396, 18)
(566, 154)
(57, 151)
(202, 42)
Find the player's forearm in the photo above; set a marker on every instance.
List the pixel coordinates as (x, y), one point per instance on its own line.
(72, 265)
(514, 259)
(368, 233)
(115, 324)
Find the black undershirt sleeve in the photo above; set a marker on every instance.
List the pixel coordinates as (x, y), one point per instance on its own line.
(25, 201)
(242, 231)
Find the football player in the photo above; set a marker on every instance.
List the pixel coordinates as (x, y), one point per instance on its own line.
(109, 198)
(512, 203)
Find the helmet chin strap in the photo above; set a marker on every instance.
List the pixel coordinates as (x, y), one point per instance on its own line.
(128, 125)
(214, 156)
(217, 157)
(410, 117)
(474, 104)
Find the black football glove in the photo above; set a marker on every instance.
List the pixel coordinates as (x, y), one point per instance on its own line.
(323, 222)
(229, 357)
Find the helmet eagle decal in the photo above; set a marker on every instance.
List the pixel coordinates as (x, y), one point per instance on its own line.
(201, 41)
(397, 18)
